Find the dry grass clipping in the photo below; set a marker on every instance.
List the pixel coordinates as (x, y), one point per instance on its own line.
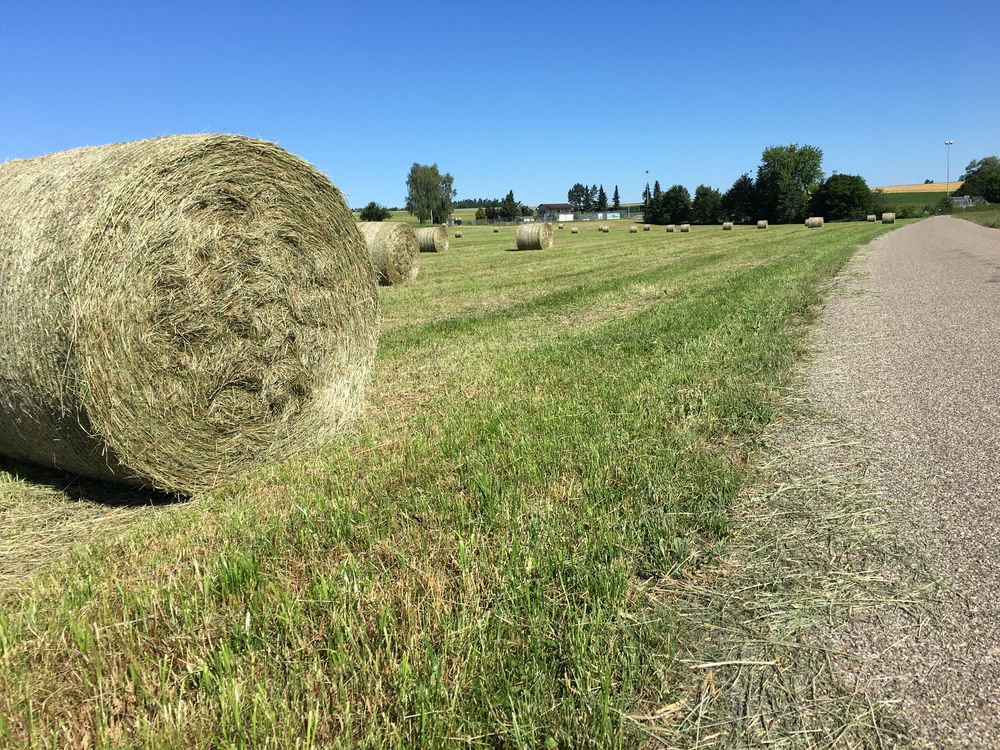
(176, 310)
(394, 250)
(433, 239)
(536, 236)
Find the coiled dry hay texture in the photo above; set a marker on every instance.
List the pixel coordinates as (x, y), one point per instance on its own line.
(727, 226)
(685, 227)
(633, 229)
(176, 310)
(537, 236)
(888, 218)
(394, 250)
(762, 224)
(814, 222)
(433, 239)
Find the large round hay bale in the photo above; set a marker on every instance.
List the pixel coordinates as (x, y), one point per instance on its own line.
(574, 230)
(605, 229)
(496, 230)
(394, 251)
(814, 222)
(671, 228)
(534, 236)
(889, 218)
(646, 227)
(685, 227)
(633, 229)
(727, 226)
(459, 234)
(560, 226)
(762, 224)
(871, 217)
(432, 239)
(177, 310)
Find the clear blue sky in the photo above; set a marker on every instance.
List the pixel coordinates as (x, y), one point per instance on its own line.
(525, 96)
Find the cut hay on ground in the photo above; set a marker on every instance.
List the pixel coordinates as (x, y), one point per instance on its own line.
(178, 310)
(685, 227)
(394, 250)
(814, 222)
(727, 226)
(633, 229)
(889, 218)
(537, 236)
(762, 224)
(433, 239)
(871, 217)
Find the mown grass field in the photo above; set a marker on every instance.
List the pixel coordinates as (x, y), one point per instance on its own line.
(988, 217)
(551, 437)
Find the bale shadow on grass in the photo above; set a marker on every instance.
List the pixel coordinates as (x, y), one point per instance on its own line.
(45, 513)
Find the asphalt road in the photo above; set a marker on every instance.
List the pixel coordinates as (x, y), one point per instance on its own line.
(912, 363)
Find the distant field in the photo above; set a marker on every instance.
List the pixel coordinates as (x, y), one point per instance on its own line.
(553, 439)
(913, 200)
(933, 187)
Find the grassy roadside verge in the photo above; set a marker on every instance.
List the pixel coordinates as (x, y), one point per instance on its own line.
(468, 568)
(988, 217)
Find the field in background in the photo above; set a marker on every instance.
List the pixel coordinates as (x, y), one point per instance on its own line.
(926, 199)
(552, 437)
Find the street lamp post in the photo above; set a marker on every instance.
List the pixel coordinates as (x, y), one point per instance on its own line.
(947, 188)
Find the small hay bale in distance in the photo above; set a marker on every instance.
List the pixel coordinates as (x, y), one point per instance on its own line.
(574, 230)
(762, 224)
(889, 218)
(496, 230)
(433, 239)
(871, 218)
(216, 310)
(560, 226)
(633, 229)
(394, 250)
(814, 222)
(605, 229)
(671, 228)
(646, 227)
(534, 236)
(459, 234)
(685, 227)
(727, 226)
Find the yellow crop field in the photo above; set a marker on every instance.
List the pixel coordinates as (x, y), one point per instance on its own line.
(931, 187)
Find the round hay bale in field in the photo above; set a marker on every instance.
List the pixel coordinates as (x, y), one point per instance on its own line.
(762, 224)
(496, 230)
(889, 218)
(459, 234)
(814, 222)
(871, 217)
(394, 250)
(177, 310)
(605, 229)
(432, 239)
(560, 226)
(727, 226)
(535, 236)
(646, 227)
(685, 227)
(671, 228)
(574, 230)
(633, 229)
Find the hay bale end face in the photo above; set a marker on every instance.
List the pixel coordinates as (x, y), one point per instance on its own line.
(633, 229)
(235, 285)
(671, 228)
(536, 236)
(685, 227)
(889, 218)
(871, 218)
(394, 250)
(727, 226)
(814, 222)
(762, 224)
(432, 239)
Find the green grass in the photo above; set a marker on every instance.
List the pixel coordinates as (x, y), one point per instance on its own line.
(548, 433)
(896, 201)
(988, 217)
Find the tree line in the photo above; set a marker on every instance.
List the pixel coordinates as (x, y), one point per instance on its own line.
(586, 199)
